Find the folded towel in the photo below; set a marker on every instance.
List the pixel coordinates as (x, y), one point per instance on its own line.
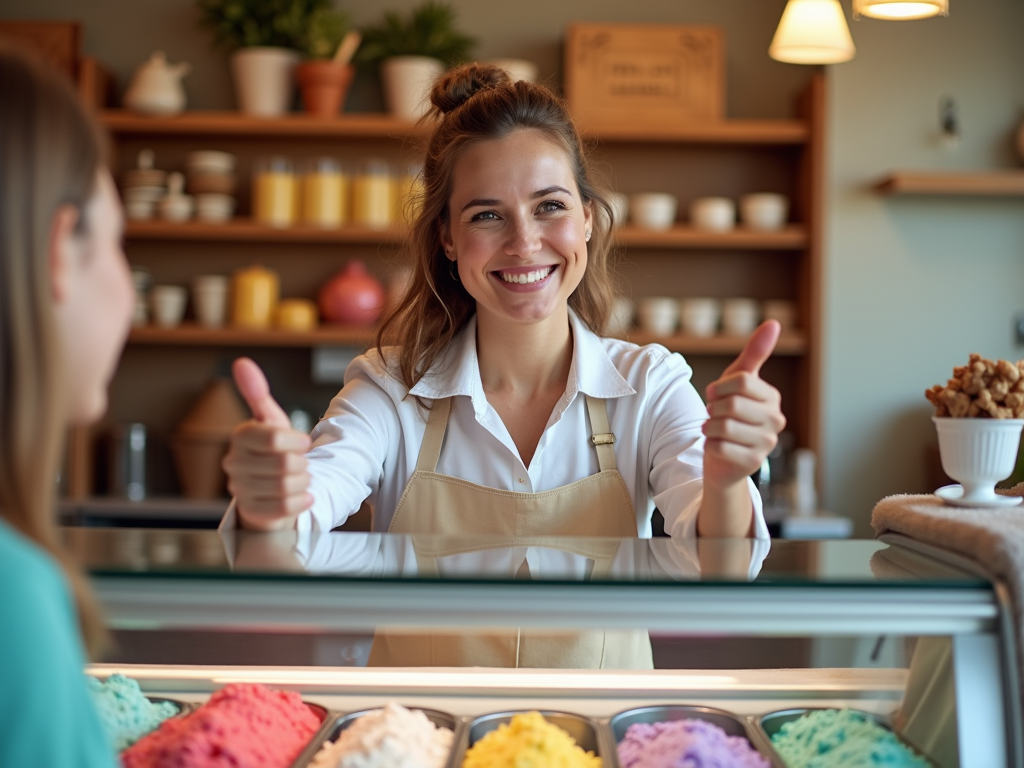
(991, 537)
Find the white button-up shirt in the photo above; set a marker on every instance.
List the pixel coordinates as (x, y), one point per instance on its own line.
(366, 446)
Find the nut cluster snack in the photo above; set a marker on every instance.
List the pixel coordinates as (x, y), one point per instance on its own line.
(981, 389)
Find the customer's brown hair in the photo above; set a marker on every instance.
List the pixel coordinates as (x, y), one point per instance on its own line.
(475, 103)
(50, 153)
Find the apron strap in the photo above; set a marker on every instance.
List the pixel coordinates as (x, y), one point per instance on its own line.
(602, 438)
(430, 448)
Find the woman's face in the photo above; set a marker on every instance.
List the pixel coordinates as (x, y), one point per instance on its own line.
(94, 301)
(517, 227)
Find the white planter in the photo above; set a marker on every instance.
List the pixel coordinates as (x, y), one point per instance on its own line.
(407, 81)
(264, 79)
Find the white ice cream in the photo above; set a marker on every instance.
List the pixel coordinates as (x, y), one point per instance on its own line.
(393, 737)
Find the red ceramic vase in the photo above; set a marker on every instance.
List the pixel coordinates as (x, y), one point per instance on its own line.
(352, 296)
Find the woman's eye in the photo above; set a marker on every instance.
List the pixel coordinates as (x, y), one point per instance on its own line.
(484, 216)
(551, 205)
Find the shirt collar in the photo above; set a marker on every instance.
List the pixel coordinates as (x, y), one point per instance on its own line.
(457, 372)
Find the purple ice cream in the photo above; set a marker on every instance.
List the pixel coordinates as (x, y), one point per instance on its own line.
(686, 744)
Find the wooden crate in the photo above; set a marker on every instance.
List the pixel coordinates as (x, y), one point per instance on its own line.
(651, 75)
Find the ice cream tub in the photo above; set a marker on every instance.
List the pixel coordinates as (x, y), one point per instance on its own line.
(731, 724)
(336, 724)
(771, 724)
(584, 731)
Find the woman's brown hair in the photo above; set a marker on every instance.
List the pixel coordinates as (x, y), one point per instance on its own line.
(50, 152)
(476, 103)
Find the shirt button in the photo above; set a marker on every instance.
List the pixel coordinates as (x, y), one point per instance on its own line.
(521, 480)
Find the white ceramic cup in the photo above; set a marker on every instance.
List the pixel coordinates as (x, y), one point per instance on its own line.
(659, 315)
(211, 206)
(210, 161)
(764, 211)
(782, 310)
(700, 316)
(978, 452)
(713, 213)
(167, 303)
(139, 210)
(739, 316)
(621, 318)
(620, 208)
(210, 299)
(653, 210)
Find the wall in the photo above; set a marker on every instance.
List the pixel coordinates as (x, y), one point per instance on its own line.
(913, 285)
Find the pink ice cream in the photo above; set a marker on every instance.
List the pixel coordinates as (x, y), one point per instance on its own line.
(241, 725)
(686, 744)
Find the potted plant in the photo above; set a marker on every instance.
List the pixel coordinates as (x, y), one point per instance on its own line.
(266, 37)
(413, 51)
(324, 78)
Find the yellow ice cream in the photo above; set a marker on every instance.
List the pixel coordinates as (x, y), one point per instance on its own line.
(529, 741)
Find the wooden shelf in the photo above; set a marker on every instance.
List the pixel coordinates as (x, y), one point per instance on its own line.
(190, 334)
(247, 230)
(202, 123)
(681, 236)
(726, 132)
(970, 183)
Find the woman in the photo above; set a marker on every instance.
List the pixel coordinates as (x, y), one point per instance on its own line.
(65, 304)
(490, 404)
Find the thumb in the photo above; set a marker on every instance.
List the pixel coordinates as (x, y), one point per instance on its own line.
(758, 349)
(254, 388)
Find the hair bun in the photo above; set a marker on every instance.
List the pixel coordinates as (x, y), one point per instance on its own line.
(457, 86)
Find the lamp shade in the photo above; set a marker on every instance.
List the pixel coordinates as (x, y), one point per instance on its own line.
(900, 10)
(812, 32)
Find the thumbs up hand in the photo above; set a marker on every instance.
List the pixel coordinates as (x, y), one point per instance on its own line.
(266, 463)
(745, 414)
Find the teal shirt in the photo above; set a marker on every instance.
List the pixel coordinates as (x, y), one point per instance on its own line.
(46, 715)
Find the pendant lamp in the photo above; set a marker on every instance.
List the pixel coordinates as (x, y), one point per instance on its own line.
(812, 32)
(900, 10)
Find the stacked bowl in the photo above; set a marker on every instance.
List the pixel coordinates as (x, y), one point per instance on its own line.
(211, 179)
(143, 187)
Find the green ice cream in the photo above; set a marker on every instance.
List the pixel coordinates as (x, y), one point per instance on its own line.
(827, 738)
(126, 714)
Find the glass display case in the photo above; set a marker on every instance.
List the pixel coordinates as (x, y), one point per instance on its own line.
(588, 627)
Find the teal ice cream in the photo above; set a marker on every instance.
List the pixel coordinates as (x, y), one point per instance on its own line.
(827, 738)
(126, 714)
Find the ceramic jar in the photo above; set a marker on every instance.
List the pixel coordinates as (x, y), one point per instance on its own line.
(254, 297)
(156, 87)
(352, 296)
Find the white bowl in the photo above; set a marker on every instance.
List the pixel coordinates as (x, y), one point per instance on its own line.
(209, 161)
(659, 315)
(167, 303)
(978, 452)
(764, 211)
(177, 207)
(139, 210)
(211, 206)
(739, 316)
(699, 316)
(717, 214)
(653, 210)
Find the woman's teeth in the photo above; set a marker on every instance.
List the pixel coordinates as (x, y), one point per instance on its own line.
(529, 277)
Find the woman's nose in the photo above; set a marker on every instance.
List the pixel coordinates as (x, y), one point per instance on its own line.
(524, 238)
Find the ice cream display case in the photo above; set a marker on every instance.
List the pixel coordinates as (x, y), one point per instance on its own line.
(908, 643)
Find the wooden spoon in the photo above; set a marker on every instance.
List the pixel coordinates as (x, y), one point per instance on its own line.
(347, 49)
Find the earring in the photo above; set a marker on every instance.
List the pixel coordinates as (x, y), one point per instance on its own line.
(453, 270)
(587, 236)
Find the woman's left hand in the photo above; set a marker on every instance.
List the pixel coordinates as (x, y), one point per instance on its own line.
(745, 414)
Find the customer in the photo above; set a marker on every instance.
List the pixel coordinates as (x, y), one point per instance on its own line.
(65, 304)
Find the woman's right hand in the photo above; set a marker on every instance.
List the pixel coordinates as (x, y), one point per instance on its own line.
(266, 464)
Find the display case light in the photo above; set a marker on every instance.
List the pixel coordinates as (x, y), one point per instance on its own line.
(900, 10)
(812, 32)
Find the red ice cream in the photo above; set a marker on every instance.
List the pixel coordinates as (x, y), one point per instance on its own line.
(241, 724)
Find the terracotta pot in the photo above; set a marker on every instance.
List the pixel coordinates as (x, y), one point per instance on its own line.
(352, 296)
(202, 439)
(324, 86)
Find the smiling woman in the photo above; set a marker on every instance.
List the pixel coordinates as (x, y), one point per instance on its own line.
(490, 404)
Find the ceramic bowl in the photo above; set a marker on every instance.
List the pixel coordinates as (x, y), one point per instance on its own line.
(208, 161)
(214, 207)
(653, 210)
(717, 214)
(739, 316)
(700, 316)
(764, 211)
(978, 452)
(659, 315)
(167, 303)
(177, 207)
(139, 210)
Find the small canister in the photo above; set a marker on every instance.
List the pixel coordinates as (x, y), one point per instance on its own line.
(128, 461)
(275, 192)
(254, 297)
(371, 195)
(297, 315)
(324, 194)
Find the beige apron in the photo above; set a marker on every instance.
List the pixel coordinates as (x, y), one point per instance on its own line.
(596, 506)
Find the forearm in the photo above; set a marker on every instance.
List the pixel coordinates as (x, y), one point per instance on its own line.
(726, 511)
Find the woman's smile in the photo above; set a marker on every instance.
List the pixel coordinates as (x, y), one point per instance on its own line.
(523, 279)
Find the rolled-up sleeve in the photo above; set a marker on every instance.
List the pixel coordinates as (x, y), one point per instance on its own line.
(673, 420)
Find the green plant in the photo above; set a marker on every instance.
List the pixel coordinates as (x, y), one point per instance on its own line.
(311, 26)
(429, 30)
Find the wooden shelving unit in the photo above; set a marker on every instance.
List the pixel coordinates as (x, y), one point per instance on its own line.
(235, 124)
(192, 335)
(246, 230)
(961, 183)
(792, 132)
